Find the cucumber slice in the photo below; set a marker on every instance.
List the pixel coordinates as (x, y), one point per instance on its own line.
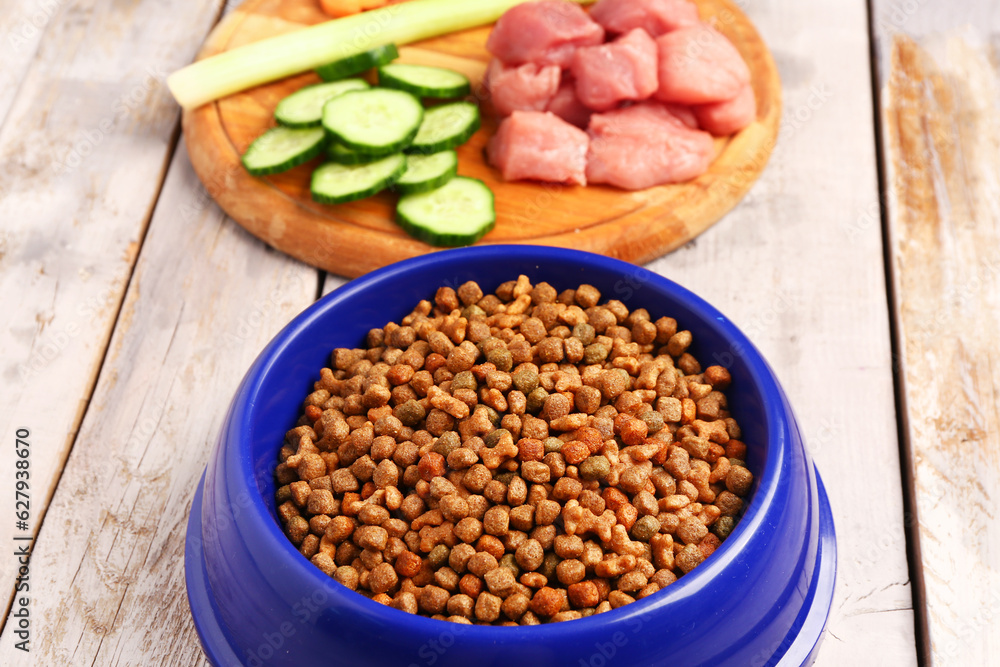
(334, 183)
(424, 81)
(427, 172)
(343, 155)
(445, 127)
(377, 121)
(281, 148)
(304, 108)
(458, 213)
(356, 64)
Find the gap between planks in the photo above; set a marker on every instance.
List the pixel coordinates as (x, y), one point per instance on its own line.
(910, 520)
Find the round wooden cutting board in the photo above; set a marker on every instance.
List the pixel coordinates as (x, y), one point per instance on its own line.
(352, 239)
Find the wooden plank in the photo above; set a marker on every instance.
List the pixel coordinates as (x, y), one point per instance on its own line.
(83, 149)
(23, 30)
(940, 89)
(107, 570)
(806, 283)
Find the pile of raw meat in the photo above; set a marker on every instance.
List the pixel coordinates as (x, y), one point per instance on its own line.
(629, 95)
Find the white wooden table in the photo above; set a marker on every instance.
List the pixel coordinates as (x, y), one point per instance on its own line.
(865, 264)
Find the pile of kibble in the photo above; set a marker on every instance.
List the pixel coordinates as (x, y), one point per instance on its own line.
(514, 458)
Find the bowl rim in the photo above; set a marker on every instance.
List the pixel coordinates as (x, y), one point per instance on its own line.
(775, 421)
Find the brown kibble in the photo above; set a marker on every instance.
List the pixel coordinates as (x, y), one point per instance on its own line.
(631, 582)
(689, 558)
(433, 599)
(470, 585)
(535, 472)
(339, 529)
(373, 515)
(321, 501)
(729, 503)
(347, 576)
(612, 383)
(468, 530)
(718, 377)
(679, 343)
(382, 579)
(691, 531)
(481, 563)
(615, 566)
(547, 601)
(459, 556)
(371, 537)
(408, 564)
(461, 605)
(500, 581)
(297, 529)
(575, 452)
(634, 479)
(583, 594)
(570, 571)
(587, 296)
(497, 521)
(530, 555)
(488, 607)
(567, 489)
(431, 465)
(595, 468)
(634, 432)
(739, 480)
(469, 293)
(515, 606)
(530, 449)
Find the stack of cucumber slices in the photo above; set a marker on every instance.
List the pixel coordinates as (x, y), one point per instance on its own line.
(374, 138)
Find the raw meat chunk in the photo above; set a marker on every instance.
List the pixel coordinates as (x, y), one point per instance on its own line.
(698, 66)
(566, 105)
(540, 146)
(546, 32)
(684, 114)
(527, 87)
(657, 17)
(721, 118)
(645, 145)
(625, 69)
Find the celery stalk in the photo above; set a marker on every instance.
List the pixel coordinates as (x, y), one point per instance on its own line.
(301, 50)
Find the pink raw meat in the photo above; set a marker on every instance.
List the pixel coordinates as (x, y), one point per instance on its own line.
(645, 145)
(684, 114)
(657, 17)
(527, 87)
(546, 32)
(568, 107)
(623, 70)
(722, 118)
(698, 66)
(539, 146)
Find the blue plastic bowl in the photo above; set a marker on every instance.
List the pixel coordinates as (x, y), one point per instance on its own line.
(761, 599)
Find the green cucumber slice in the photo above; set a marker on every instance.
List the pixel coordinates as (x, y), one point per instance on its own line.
(378, 121)
(458, 213)
(445, 127)
(281, 148)
(356, 64)
(424, 81)
(427, 172)
(334, 183)
(343, 155)
(304, 108)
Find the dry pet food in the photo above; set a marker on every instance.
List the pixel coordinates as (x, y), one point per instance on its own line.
(521, 457)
